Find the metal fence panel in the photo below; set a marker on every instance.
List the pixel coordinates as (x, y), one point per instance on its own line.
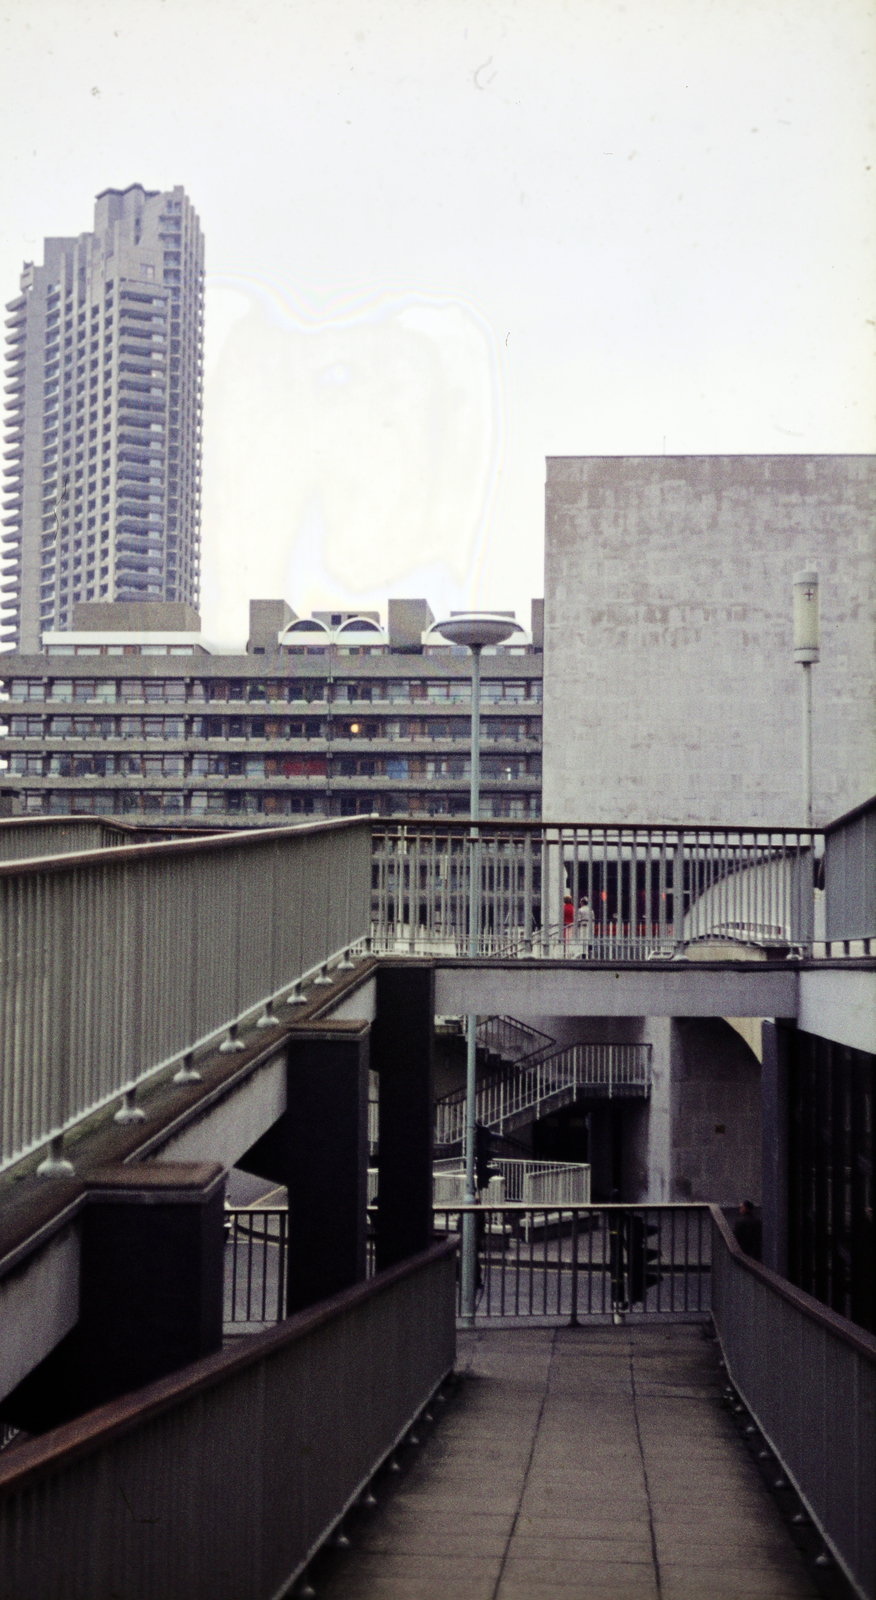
(551, 1259)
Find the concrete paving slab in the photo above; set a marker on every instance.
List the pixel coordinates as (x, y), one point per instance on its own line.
(591, 1463)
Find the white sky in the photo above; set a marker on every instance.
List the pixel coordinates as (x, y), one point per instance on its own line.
(447, 238)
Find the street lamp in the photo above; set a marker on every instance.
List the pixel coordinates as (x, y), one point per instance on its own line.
(477, 630)
(806, 652)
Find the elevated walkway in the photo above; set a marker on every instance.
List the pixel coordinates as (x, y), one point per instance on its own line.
(572, 1462)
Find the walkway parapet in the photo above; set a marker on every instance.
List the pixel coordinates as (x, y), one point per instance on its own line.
(611, 892)
(119, 963)
(228, 1476)
(808, 1378)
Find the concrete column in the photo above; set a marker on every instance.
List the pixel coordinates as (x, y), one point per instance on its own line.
(324, 1136)
(150, 1295)
(402, 1052)
(318, 1151)
(774, 1137)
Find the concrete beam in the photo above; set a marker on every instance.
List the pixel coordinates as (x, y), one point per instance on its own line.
(563, 989)
(226, 1127)
(839, 1003)
(39, 1304)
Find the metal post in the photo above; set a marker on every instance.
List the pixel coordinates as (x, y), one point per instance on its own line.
(469, 1221)
(807, 638)
(807, 743)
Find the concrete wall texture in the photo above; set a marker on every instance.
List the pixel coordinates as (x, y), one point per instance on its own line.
(670, 689)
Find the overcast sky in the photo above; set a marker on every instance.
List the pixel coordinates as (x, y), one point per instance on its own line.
(447, 238)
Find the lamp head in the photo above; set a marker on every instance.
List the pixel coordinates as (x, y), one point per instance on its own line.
(806, 616)
(477, 629)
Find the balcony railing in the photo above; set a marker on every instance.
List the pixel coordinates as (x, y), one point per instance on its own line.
(637, 891)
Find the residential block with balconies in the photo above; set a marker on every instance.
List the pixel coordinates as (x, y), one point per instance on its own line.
(329, 715)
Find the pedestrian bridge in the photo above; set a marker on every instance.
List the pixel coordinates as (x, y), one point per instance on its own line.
(172, 1008)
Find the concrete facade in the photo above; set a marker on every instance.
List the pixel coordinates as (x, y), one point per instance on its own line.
(103, 424)
(671, 691)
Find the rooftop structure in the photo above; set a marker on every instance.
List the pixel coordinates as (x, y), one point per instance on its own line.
(103, 431)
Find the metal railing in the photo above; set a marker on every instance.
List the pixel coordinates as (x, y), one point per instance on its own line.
(540, 1260)
(509, 1097)
(564, 1264)
(808, 1378)
(506, 1037)
(116, 964)
(256, 1262)
(226, 1477)
(637, 891)
(850, 872)
(21, 838)
(556, 1183)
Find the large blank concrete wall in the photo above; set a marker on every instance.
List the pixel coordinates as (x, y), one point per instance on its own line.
(670, 689)
(716, 1114)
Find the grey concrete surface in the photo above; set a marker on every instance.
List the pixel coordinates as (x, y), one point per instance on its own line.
(589, 1462)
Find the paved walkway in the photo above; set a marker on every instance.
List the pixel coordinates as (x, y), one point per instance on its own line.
(590, 1462)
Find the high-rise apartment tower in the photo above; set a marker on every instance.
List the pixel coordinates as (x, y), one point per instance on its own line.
(102, 463)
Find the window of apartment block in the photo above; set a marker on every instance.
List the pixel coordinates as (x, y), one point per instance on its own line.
(303, 766)
(61, 689)
(26, 727)
(93, 765)
(27, 689)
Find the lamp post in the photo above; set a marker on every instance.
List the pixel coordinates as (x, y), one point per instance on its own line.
(476, 630)
(806, 652)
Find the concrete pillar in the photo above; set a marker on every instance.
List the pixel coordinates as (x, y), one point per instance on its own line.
(324, 1139)
(151, 1288)
(402, 1052)
(774, 1141)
